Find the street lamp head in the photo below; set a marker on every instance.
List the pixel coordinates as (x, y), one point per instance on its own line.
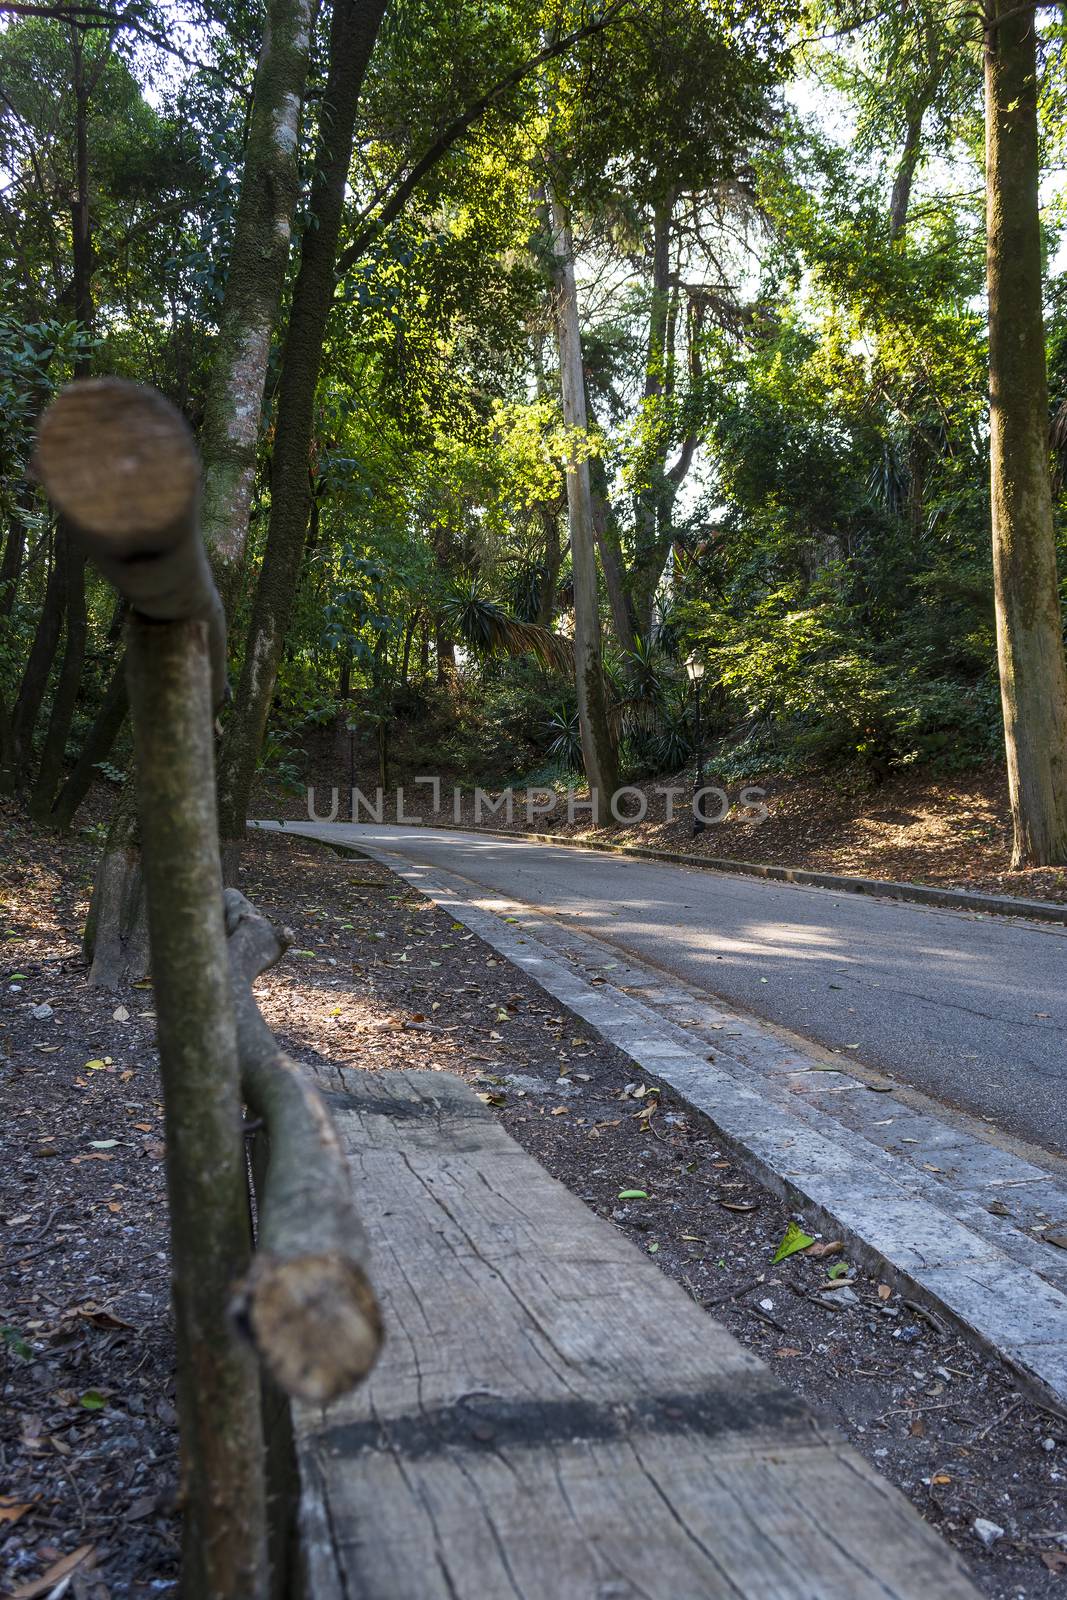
(694, 669)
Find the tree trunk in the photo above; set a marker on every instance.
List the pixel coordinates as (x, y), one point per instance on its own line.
(553, 560)
(115, 940)
(405, 659)
(15, 550)
(98, 743)
(50, 771)
(270, 186)
(37, 669)
(905, 173)
(354, 28)
(937, 48)
(53, 754)
(606, 527)
(1029, 624)
(598, 746)
(445, 651)
(653, 502)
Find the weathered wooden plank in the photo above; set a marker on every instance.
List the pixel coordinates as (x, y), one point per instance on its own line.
(553, 1419)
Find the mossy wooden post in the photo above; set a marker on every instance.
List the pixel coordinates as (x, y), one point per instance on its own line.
(120, 463)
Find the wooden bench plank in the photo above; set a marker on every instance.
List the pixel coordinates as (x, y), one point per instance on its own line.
(553, 1419)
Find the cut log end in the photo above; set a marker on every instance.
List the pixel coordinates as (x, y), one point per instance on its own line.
(314, 1321)
(119, 461)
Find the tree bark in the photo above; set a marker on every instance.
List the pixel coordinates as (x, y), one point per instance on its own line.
(50, 770)
(654, 503)
(1030, 649)
(553, 560)
(354, 28)
(599, 752)
(37, 669)
(936, 48)
(270, 186)
(15, 550)
(97, 747)
(904, 177)
(53, 753)
(115, 939)
(606, 527)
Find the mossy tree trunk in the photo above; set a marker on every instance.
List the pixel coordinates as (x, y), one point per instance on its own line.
(354, 28)
(1029, 624)
(599, 751)
(270, 186)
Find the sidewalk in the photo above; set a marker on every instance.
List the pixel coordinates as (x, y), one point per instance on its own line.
(952, 1217)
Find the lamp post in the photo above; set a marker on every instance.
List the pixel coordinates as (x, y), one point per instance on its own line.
(694, 669)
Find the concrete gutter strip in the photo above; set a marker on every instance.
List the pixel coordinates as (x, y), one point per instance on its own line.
(855, 1191)
(991, 905)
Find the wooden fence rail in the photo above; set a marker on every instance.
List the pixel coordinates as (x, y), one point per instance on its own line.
(120, 465)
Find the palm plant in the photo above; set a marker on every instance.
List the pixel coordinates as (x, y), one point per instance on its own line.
(487, 629)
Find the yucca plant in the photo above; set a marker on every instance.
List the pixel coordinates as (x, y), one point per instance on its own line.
(566, 745)
(487, 629)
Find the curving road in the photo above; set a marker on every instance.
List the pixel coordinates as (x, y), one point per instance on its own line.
(969, 1009)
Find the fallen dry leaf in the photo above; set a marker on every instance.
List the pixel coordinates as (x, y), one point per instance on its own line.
(39, 1586)
(1055, 1561)
(11, 1509)
(884, 1291)
(824, 1247)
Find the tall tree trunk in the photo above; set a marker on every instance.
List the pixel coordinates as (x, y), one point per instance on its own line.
(651, 525)
(936, 47)
(270, 186)
(354, 28)
(97, 747)
(904, 177)
(34, 683)
(445, 651)
(553, 560)
(15, 550)
(50, 770)
(1033, 682)
(405, 659)
(609, 545)
(598, 746)
(116, 931)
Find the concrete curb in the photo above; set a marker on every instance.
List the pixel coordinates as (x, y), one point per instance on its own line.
(855, 1190)
(992, 905)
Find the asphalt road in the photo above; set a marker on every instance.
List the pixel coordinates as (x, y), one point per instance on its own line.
(971, 1010)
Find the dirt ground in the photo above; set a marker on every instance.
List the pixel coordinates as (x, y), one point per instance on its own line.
(378, 978)
(914, 827)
